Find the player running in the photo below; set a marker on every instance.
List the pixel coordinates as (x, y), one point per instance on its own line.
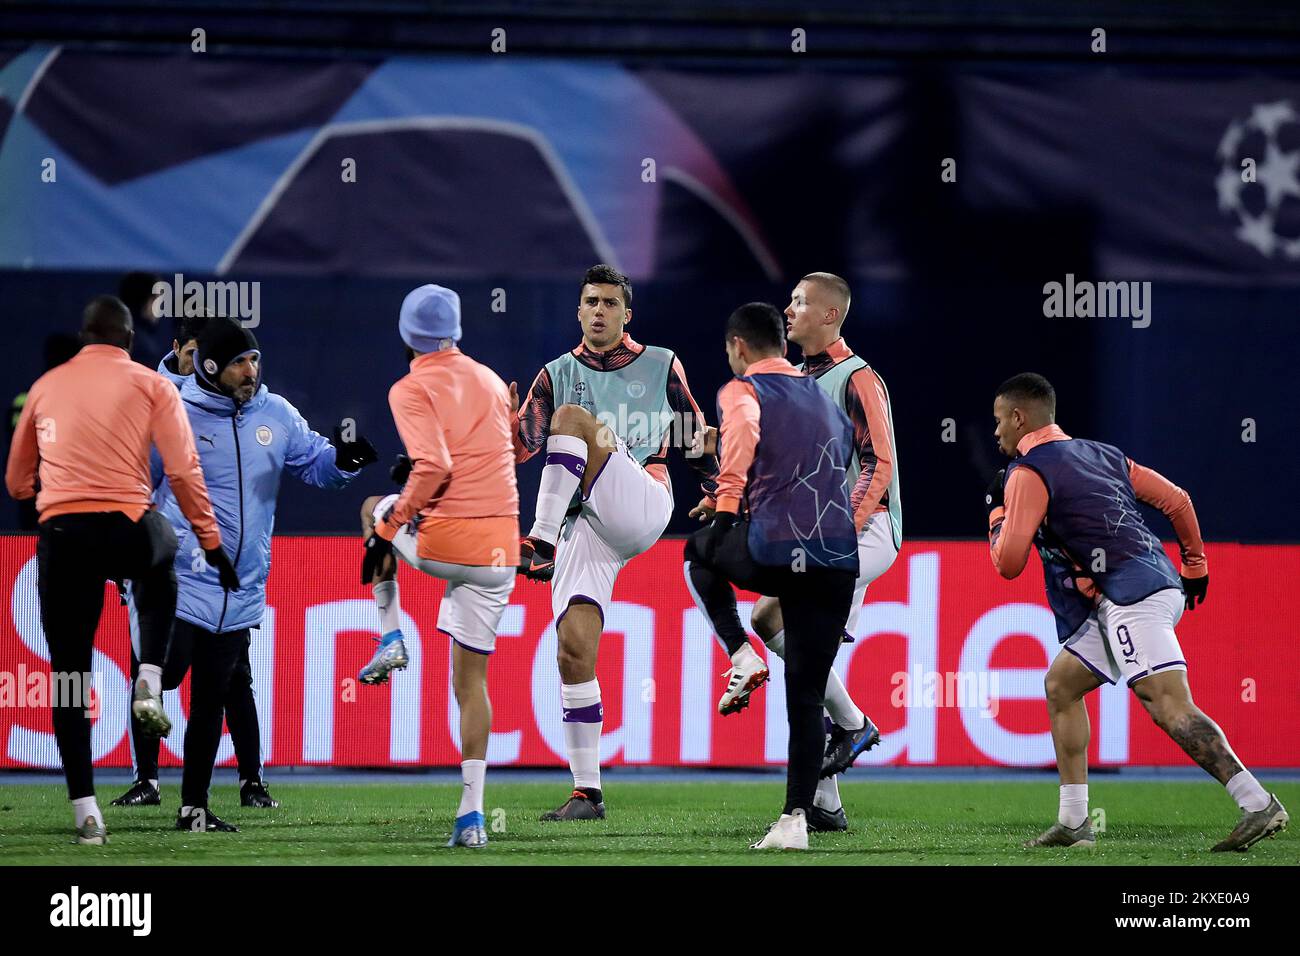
(814, 319)
(457, 518)
(605, 495)
(1076, 501)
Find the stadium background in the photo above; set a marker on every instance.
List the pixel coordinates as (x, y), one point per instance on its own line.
(516, 171)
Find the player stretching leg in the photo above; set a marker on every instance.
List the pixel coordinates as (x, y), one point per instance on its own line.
(604, 495)
(457, 518)
(814, 318)
(1076, 501)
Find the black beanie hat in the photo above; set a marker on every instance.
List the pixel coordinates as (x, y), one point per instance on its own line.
(221, 342)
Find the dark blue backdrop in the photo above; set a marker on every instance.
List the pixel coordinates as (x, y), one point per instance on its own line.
(1172, 395)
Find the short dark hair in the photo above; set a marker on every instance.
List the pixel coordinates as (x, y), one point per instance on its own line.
(190, 327)
(106, 321)
(1029, 387)
(135, 289)
(603, 274)
(760, 324)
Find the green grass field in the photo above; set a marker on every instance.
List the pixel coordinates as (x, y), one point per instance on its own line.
(650, 823)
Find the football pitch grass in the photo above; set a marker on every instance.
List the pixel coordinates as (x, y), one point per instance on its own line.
(695, 823)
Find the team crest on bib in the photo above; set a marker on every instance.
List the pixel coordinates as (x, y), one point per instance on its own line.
(263, 434)
(636, 389)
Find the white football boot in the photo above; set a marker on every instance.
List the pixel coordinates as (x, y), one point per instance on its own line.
(747, 674)
(789, 832)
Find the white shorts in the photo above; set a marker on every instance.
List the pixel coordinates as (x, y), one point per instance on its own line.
(624, 513)
(876, 552)
(1131, 641)
(475, 598)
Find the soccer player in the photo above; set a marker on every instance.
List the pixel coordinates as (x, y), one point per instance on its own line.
(247, 438)
(814, 319)
(786, 448)
(84, 435)
(1115, 595)
(605, 495)
(457, 518)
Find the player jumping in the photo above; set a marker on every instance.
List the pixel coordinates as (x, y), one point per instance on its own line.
(1076, 500)
(814, 318)
(604, 497)
(457, 518)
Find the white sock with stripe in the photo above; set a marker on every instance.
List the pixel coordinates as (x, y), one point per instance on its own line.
(584, 719)
(566, 460)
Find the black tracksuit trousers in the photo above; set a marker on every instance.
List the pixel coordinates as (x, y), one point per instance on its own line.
(815, 605)
(239, 705)
(76, 555)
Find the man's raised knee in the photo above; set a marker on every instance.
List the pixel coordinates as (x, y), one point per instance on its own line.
(573, 420)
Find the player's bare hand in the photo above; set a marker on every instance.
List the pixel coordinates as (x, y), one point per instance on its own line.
(705, 442)
(514, 398)
(704, 510)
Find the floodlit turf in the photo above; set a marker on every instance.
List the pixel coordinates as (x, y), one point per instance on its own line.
(649, 823)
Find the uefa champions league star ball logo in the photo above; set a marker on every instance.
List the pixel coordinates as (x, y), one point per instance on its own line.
(1264, 194)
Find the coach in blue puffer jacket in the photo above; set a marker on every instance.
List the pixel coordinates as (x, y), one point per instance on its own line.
(244, 448)
(246, 437)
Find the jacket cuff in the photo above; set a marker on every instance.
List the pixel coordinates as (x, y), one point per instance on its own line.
(728, 503)
(996, 516)
(385, 530)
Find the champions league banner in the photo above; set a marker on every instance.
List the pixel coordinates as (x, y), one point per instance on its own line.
(948, 661)
(469, 168)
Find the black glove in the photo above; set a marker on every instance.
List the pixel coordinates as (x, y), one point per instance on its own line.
(401, 470)
(1194, 589)
(352, 455)
(217, 558)
(723, 521)
(993, 497)
(377, 549)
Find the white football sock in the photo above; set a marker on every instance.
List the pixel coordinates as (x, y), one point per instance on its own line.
(583, 721)
(777, 644)
(390, 607)
(840, 705)
(84, 807)
(153, 783)
(1245, 789)
(828, 794)
(151, 674)
(471, 797)
(566, 460)
(1074, 805)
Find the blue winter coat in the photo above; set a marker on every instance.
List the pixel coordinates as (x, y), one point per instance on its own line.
(243, 455)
